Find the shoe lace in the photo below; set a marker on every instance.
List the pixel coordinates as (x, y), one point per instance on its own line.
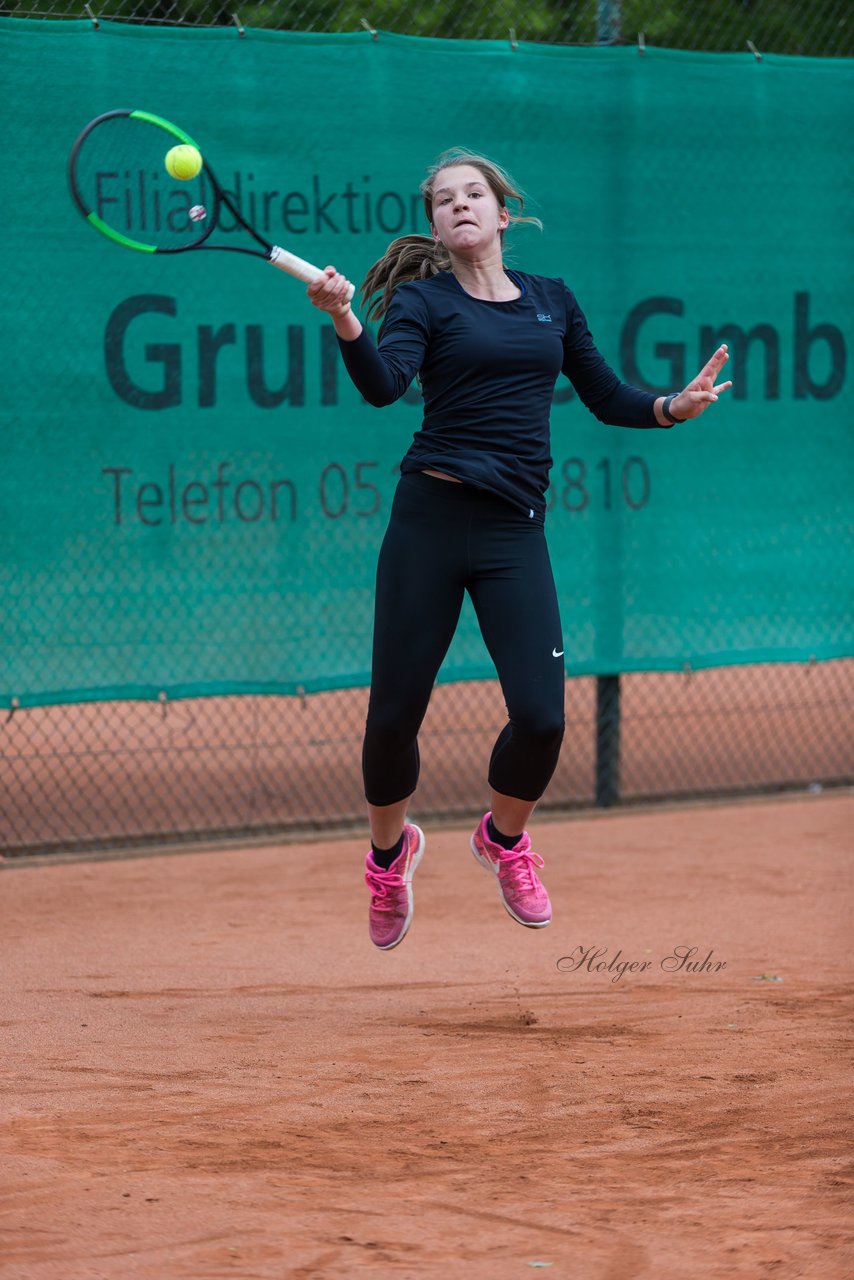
(518, 867)
(385, 888)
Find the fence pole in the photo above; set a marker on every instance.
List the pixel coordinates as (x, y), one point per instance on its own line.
(609, 21)
(608, 31)
(607, 741)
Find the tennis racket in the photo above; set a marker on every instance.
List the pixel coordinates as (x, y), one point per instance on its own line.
(119, 182)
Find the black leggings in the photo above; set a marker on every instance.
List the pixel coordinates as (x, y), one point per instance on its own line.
(444, 539)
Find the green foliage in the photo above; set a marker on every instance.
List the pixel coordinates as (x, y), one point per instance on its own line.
(817, 28)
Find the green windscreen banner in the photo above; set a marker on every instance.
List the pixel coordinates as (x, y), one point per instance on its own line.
(193, 494)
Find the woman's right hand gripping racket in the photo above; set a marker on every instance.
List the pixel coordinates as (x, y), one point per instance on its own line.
(120, 183)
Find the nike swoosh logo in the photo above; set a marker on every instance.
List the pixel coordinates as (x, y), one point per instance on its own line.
(555, 653)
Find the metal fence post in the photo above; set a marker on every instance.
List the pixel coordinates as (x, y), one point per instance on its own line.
(607, 741)
(609, 21)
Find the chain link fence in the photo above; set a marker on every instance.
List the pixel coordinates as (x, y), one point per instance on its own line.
(133, 774)
(821, 29)
(98, 776)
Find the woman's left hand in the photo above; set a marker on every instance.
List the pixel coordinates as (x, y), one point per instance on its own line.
(702, 392)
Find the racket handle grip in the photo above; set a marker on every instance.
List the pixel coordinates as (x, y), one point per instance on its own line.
(299, 267)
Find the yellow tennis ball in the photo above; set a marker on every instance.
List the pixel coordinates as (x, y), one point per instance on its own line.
(183, 162)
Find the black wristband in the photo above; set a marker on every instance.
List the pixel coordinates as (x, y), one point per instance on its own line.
(665, 408)
(666, 411)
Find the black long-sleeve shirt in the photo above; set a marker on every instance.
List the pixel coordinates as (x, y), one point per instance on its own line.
(487, 372)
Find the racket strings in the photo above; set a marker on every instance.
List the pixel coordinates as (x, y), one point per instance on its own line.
(121, 178)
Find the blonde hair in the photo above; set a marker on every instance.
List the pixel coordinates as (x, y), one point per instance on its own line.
(417, 257)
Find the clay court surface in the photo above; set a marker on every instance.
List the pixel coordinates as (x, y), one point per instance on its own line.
(209, 1072)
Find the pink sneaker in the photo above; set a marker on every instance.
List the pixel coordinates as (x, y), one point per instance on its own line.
(520, 887)
(390, 913)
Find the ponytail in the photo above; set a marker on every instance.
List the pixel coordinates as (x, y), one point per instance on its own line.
(407, 258)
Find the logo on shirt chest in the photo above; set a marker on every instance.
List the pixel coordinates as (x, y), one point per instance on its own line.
(544, 317)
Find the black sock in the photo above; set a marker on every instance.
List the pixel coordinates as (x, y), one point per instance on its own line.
(506, 842)
(385, 857)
